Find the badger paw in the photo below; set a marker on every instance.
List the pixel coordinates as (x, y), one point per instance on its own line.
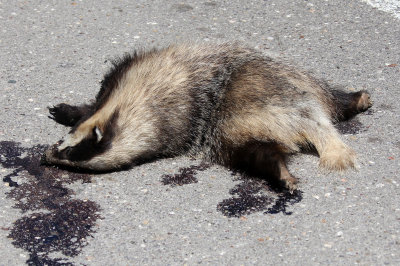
(65, 114)
(289, 182)
(338, 157)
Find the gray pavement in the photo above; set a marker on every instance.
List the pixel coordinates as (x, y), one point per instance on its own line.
(177, 211)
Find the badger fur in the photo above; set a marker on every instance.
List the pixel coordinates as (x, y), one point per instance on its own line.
(228, 103)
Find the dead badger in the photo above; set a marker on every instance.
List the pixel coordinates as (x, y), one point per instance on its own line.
(228, 103)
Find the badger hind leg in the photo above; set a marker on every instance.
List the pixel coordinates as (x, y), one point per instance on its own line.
(69, 115)
(271, 158)
(264, 159)
(283, 176)
(334, 153)
(350, 104)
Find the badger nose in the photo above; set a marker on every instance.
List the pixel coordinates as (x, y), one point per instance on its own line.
(48, 155)
(43, 159)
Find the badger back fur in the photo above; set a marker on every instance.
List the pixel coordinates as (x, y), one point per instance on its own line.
(229, 103)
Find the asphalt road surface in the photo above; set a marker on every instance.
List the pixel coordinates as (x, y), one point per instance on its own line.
(180, 211)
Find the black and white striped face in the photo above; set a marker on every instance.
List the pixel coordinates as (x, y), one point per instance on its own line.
(80, 148)
(86, 146)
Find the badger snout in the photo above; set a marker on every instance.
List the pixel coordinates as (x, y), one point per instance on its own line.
(43, 159)
(50, 155)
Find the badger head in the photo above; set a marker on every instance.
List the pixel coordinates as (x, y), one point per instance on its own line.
(89, 145)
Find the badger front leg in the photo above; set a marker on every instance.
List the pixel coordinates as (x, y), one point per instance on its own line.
(69, 115)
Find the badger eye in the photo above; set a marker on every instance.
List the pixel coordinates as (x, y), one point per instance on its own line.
(64, 154)
(67, 150)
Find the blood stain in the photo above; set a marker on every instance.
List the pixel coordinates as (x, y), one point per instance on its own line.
(257, 195)
(186, 175)
(250, 196)
(56, 222)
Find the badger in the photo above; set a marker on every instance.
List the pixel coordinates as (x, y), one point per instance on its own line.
(225, 103)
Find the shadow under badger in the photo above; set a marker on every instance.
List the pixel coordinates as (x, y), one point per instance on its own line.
(230, 104)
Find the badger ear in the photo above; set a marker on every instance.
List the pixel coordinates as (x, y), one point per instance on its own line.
(98, 134)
